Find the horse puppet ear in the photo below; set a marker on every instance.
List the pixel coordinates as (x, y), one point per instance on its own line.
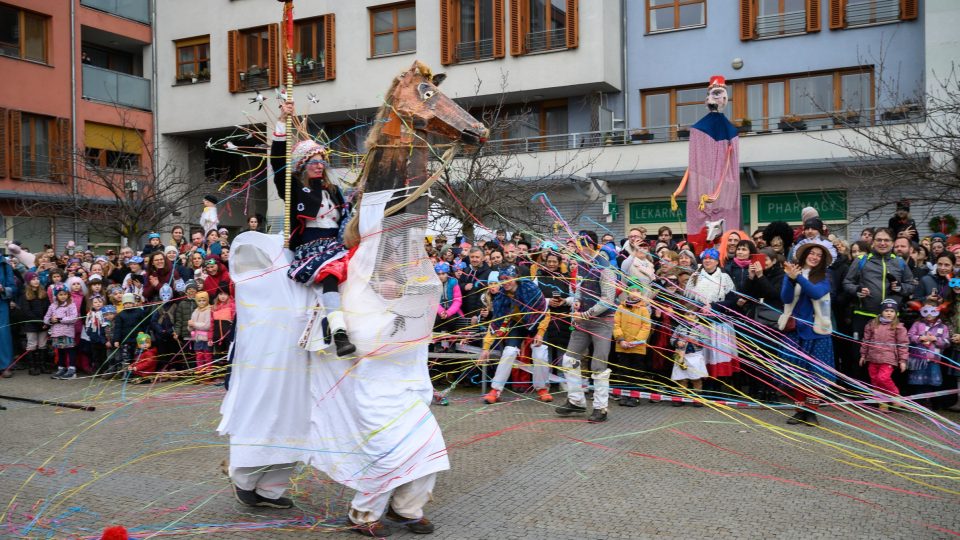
(438, 78)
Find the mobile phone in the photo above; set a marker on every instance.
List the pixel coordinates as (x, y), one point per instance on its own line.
(556, 294)
(758, 258)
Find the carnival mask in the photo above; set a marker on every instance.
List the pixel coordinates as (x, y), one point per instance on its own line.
(717, 94)
(929, 312)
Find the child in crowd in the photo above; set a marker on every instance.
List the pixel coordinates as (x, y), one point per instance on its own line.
(631, 328)
(208, 218)
(35, 305)
(163, 328)
(689, 363)
(61, 317)
(185, 307)
(145, 361)
(115, 297)
(78, 294)
(56, 278)
(126, 325)
(928, 337)
(95, 285)
(224, 313)
(200, 332)
(885, 346)
(94, 333)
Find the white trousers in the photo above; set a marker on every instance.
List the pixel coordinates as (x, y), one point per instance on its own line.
(574, 382)
(269, 481)
(541, 367)
(408, 501)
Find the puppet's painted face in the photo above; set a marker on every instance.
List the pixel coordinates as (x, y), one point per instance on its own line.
(717, 98)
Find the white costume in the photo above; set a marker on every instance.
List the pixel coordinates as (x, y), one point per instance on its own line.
(209, 220)
(371, 413)
(266, 411)
(720, 344)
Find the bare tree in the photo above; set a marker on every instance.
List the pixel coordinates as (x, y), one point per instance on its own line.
(487, 186)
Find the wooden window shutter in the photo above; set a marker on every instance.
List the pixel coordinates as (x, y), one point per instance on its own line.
(16, 156)
(330, 47)
(273, 55)
(447, 55)
(63, 153)
(837, 15)
(499, 34)
(747, 20)
(573, 24)
(516, 28)
(3, 142)
(813, 15)
(233, 61)
(909, 10)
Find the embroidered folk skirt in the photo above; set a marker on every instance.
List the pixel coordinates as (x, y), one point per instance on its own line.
(318, 259)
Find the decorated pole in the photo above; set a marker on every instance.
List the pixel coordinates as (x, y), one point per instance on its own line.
(288, 30)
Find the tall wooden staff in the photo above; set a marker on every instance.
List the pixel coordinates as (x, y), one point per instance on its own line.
(288, 30)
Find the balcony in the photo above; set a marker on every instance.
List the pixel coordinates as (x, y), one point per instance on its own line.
(660, 134)
(866, 12)
(546, 40)
(118, 88)
(781, 24)
(135, 10)
(468, 51)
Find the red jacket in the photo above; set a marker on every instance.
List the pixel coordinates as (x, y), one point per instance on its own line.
(212, 283)
(885, 343)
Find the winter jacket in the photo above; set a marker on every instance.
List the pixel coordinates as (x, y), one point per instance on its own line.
(525, 307)
(162, 322)
(740, 277)
(128, 324)
(202, 324)
(930, 351)
(809, 304)
(632, 323)
(151, 293)
(183, 311)
(34, 311)
(94, 328)
(766, 288)
(212, 283)
(932, 283)
(875, 272)
(472, 300)
(450, 298)
(885, 343)
(67, 317)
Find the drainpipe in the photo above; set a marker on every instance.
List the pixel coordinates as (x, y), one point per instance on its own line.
(154, 85)
(73, 108)
(623, 65)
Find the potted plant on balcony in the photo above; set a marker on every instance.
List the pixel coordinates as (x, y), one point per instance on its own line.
(183, 79)
(193, 77)
(846, 118)
(683, 132)
(204, 75)
(792, 123)
(310, 63)
(901, 112)
(297, 65)
(639, 135)
(745, 125)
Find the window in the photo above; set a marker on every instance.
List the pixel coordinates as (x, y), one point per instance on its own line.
(471, 30)
(670, 113)
(543, 25)
(193, 59)
(852, 13)
(820, 99)
(393, 29)
(23, 34)
(253, 58)
(313, 48)
(112, 147)
(112, 59)
(675, 14)
(36, 143)
(774, 18)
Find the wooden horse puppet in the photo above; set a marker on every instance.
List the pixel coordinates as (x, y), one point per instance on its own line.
(713, 198)
(390, 262)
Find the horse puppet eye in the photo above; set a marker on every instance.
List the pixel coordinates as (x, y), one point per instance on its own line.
(425, 91)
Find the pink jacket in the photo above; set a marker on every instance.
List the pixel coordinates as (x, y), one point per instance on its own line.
(454, 301)
(885, 343)
(931, 351)
(68, 317)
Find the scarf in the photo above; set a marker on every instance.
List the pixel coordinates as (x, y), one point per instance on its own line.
(742, 263)
(884, 320)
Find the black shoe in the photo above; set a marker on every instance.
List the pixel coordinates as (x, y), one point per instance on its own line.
(247, 497)
(279, 502)
(60, 373)
(631, 402)
(597, 416)
(344, 347)
(34, 364)
(418, 526)
(811, 419)
(797, 418)
(569, 408)
(374, 530)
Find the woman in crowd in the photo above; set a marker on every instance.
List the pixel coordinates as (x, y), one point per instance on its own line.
(936, 286)
(806, 323)
(555, 285)
(158, 274)
(709, 287)
(253, 223)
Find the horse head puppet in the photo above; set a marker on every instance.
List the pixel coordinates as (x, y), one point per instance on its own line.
(398, 151)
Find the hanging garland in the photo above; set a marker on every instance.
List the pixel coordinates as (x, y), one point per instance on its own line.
(945, 224)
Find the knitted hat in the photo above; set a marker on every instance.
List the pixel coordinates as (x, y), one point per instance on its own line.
(211, 198)
(813, 223)
(303, 151)
(136, 259)
(168, 249)
(508, 272)
(903, 204)
(60, 287)
(889, 303)
(95, 278)
(442, 267)
(493, 277)
(29, 276)
(109, 308)
(129, 298)
(710, 254)
(191, 284)
(153, 235)
(204, 295)
(809, 212)
(222, 230)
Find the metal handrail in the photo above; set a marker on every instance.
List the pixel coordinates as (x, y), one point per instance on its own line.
(545, 40)
(871, 12)
(474, 50)
(790, 22)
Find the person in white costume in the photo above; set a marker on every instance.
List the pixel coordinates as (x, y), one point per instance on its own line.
(266, 411)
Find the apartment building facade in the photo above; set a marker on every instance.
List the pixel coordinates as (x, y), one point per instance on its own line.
(76, 99)
(605, 88)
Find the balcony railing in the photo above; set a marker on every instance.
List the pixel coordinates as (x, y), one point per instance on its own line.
(137, 10)
(862, 12)
(658, 134)
(474, 50)
(546, 40)
(113, 87)
(790, 22)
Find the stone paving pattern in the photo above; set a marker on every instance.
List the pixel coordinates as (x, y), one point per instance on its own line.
(149, 457)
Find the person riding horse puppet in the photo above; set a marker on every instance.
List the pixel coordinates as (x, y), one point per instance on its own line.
(713, 173)
(362, 417)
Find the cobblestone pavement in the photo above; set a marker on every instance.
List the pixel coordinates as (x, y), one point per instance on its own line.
(148, 458)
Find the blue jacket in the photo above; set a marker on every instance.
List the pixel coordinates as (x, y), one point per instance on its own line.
(526, 299)
(803, 311)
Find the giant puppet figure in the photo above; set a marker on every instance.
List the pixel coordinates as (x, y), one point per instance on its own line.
(713, 172)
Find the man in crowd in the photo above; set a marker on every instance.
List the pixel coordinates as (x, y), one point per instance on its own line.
(472, 284)
(593, 308)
